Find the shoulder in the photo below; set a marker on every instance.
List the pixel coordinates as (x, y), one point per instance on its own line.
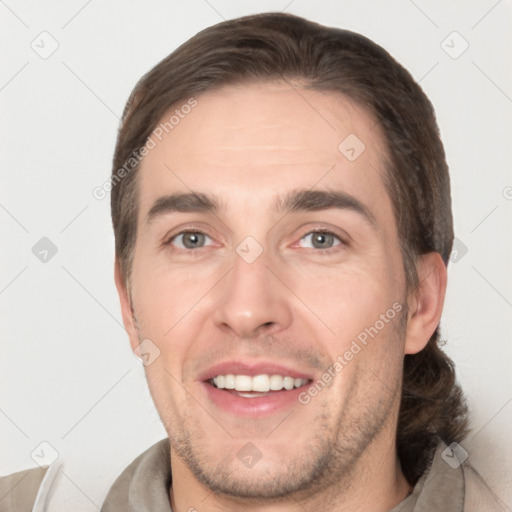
(19, 491)
(478, 495)
(144, 484)
(145, 480)
(452, 483)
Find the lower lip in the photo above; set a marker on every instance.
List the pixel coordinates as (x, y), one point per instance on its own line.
(277, 401)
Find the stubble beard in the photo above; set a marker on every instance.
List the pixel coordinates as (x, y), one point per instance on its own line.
(328, 459)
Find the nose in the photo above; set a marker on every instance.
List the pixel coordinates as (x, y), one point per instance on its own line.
(252, 301)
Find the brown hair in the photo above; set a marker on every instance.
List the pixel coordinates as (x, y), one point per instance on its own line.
(277, 46)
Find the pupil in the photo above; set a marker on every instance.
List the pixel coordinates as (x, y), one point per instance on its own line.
(192, 240)
(321, 240)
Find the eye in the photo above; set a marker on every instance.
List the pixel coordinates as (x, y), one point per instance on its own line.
(320, 240)
(190, 240)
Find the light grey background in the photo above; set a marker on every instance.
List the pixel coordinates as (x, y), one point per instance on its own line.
(68, 375)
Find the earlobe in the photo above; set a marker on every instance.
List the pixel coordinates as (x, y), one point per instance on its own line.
(425, 304)
(129, 320)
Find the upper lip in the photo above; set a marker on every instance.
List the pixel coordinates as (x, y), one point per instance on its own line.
(252, 369)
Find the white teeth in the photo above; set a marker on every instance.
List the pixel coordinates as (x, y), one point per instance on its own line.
(229, 381)
(289, 382)
(243, 383)
(260, 383)
(276, 382)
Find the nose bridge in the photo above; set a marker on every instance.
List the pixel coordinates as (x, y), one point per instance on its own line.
(251, 299)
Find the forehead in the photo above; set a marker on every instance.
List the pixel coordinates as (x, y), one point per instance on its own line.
(252, 142)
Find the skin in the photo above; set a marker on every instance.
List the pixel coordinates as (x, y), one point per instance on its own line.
(296, 304)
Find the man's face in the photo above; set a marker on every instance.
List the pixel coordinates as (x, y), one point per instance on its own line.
(299, 256)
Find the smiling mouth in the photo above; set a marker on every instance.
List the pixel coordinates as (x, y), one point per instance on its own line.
(248, 386)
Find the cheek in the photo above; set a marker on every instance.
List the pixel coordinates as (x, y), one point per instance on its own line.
(350, 298)
(162, 296)
(171, 306)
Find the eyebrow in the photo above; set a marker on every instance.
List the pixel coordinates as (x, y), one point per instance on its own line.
(189, 202)
(315, 200)
(301, 200)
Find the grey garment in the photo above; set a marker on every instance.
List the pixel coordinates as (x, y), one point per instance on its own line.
(441, 487)
(18, 491)
(144, 485)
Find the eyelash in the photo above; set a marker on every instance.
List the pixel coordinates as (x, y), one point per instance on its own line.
(169, 240)
(342, 240)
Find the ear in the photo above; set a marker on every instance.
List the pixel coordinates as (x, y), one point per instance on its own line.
(129, 320)
(425, 302)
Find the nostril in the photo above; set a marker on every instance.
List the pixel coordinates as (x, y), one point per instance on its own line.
(266, 328)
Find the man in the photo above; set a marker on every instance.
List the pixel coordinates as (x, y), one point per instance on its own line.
(281, 209)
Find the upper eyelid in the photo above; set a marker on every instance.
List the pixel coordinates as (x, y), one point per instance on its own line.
(322, 232)
(342, 235)
(341, 239)
(168, 242)
(181, 233)
(168, 237)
